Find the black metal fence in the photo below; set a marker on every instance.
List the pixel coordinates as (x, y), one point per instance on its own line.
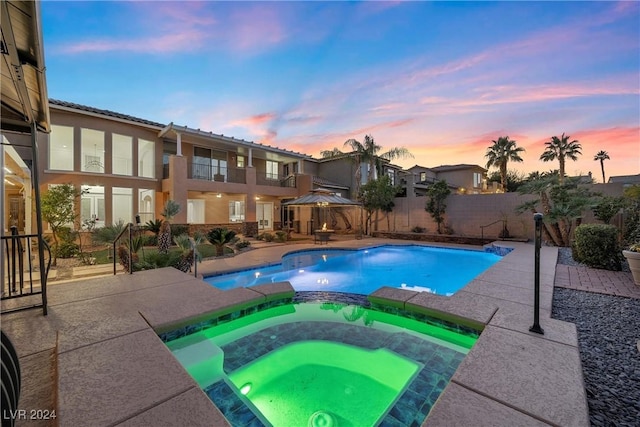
(24, 276)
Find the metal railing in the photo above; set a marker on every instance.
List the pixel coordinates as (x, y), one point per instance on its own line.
(482, 227)
(20, 268)
(128, 229)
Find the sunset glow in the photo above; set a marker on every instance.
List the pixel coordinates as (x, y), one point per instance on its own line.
(440, 78)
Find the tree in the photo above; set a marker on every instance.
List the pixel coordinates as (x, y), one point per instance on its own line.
(607, 208)
(436, 206)
(327, 154)
(220, 237)
(562, 205)
(500, 153)
(369, 152)
(514, 179)
(378, 195)
(602, 156)
(57, 207)
(171, 209)
(561, 149)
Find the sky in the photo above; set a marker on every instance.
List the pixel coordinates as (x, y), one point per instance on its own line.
(442, 79)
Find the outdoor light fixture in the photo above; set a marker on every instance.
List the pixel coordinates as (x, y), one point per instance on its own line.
(218, 195)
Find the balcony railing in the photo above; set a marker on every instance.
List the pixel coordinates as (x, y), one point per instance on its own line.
(270, 179)
(165, 171)
(217, 174)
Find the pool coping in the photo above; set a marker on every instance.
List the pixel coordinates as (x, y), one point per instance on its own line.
(511, 375)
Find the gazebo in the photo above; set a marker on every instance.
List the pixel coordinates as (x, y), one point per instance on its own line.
(321, 198)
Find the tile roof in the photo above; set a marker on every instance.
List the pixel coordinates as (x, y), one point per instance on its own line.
(108, 113)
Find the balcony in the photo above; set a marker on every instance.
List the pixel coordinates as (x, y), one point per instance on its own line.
(217, 174)
(274, 180)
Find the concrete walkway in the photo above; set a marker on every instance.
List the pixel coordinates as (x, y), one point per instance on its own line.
(112, 369)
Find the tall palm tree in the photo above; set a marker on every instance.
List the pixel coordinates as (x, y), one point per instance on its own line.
(171, 209)
(327, 154)
(369, 152)
(602, 156)
(500, 153)
(561, 149)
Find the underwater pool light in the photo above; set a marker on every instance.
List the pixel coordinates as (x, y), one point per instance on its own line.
(245, 389)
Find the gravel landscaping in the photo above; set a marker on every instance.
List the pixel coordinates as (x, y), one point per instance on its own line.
(609, 339)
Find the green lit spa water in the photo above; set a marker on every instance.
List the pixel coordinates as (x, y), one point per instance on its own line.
(323, 364)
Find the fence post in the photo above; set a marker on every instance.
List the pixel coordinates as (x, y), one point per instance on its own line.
(537, 217)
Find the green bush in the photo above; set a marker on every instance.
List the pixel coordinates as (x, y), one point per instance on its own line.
(418, 229)
(281, 236)
(178, 229)
(241, 244)
(596, 245)
(67, 249)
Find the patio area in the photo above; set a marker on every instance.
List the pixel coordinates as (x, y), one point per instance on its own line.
(97, 354)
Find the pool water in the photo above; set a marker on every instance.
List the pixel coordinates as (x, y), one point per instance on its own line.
(442, 271)
(323, 364)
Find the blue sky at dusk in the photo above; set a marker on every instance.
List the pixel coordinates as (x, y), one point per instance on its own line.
(440, 78)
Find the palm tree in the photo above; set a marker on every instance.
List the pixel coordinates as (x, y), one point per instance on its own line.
(602, 156)
(561, 149)
(220, 237)
(171, 209)
(500, 153)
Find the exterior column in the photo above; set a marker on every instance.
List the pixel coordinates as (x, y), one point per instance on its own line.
(178, 186)
(179, 144)
(300, 166)
(250, 159)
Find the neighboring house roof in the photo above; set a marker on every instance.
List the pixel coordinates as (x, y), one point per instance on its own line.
(71, 105)
(625, 179)
(326, 183)
(447, 168)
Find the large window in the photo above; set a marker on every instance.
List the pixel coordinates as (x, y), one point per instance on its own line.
(122, 155)
(61, 148)
(236, 211)
(392, 175)
(146, 158)
(272, 170)
(92, 205)
(195, 211)
(92, 150)
(146, 205)
(122, 204)
(209, 164)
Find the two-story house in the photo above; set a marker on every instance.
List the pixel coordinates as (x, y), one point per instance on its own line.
(127, 166)
(462, 178)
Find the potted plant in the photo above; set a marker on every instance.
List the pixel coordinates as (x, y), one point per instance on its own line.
(633, 257)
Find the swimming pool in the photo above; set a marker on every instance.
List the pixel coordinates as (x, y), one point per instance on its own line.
(323, 364)
(442, 271)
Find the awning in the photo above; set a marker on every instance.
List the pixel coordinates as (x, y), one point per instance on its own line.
(323, 198)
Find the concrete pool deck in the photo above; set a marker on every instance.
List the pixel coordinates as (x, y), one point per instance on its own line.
(100, 343)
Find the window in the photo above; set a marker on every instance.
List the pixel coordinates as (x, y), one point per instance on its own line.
(272, 170)
(423, 176)
(61, 148)
(146, 158)
(236, 211)
(392, 175)
(477, 180)
(122, 155)
(195, 211)
(146, 205)
(92, 149)
(122, 204)
(240, 162)
(92, 204)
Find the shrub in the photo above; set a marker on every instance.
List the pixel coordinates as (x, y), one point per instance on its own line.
(178, 229)
(418, 229)
(596, 245)
(281, 236)
(268, 237)
(241, 244)
(67, 249)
